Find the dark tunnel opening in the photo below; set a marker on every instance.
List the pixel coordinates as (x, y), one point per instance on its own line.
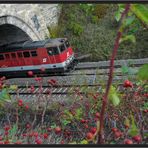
(12, 34)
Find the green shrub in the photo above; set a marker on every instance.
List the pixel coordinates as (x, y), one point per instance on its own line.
(92, 29)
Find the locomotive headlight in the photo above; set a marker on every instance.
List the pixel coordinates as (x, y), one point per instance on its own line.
(69, 60)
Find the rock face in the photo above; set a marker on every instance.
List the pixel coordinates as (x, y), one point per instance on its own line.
(20, 22)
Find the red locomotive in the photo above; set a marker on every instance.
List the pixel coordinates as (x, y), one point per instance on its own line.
(54, 55)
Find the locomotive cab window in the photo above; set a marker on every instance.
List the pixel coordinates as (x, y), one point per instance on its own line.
(7, 56)
(13, 55)
(62, 48)
(26, 54)
(52, 50)
(19, 54)
(33, 53)
(1, 57)
(67, 44)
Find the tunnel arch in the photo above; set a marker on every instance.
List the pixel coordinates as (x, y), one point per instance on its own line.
(13, 29)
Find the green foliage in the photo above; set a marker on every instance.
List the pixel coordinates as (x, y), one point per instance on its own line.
(141, 12)
(127, 122)
(143, 72)
(87, 8)
(133, 131)
(91, 28)
(113, 97)
(128, 38)
(118, 13)
(65, 122)
(145, 106)
(4, 96)
(13, 87)
(53, 31)
(79, 113)
(76, 28)
(124, 69)
(13, 130)
(129, 20)
(84, 142)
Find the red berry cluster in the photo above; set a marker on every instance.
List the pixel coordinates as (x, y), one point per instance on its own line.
(127, 83)
(52, 82)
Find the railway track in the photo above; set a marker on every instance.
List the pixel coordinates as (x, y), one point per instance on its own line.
(89, 72)
(65, 89)
(60, 93)
(117, 64)
(85, 80)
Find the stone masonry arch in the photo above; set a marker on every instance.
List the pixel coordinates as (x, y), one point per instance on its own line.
(20, 25)
(30, 21)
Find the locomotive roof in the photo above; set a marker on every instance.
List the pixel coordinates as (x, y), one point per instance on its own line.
(32, 45)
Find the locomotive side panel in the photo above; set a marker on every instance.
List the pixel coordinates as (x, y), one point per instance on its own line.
(2, 61)
(21, 60)
(35, 57)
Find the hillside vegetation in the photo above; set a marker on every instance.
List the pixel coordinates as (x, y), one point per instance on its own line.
(92, 29)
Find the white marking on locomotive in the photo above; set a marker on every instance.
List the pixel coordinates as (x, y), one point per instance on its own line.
(44, 60)
(67, 54)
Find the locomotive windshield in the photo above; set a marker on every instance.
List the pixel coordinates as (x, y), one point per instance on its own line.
(62, 45)
(52, 50)
(67, 44)
(62, 48)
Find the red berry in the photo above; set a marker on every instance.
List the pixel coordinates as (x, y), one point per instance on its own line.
(30, 73)
(89, 136)
(62, 142)
(6, 133)
(145, 95)
(20, 100)
(128, 141)
(1, 142)
(86, 126)
(1, 85)
(24, 134)
(27, 107)
(93, 130)
(3, 78)
(118, 134)
(137, 138)
(20, 104)
(114, 129)
(38, 141)
(145, 111)
(96, 119)
(31, 134)
(7, 128)
(28, 126)
(1, 138)
(38, 79)
(127, 83)
(82, 121)
(97, 115)
(57, 130)
(18, 142)
(35, 134)
(6, 142)
(45, 135)
(126, 126)
(32, 88)
(52, 81)
(49, 129)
